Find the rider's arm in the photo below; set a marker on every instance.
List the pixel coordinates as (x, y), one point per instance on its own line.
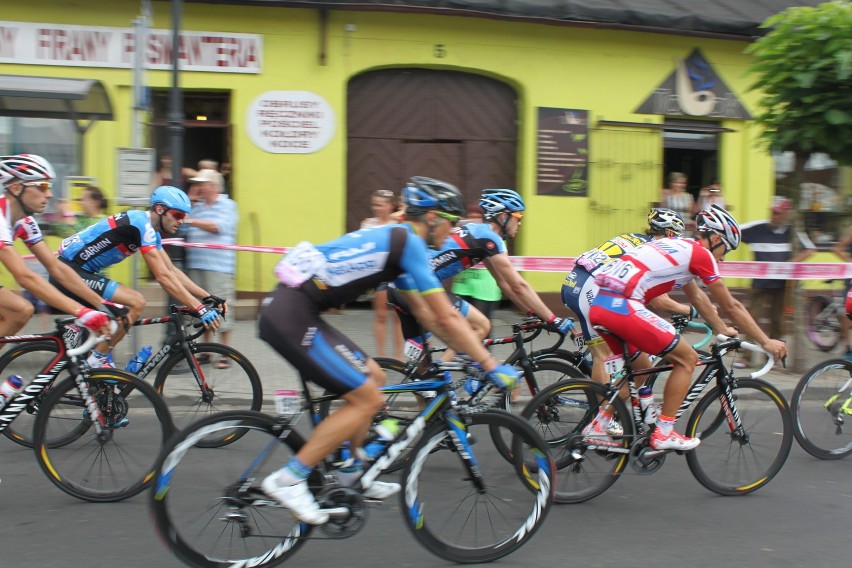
(664, 303)
(514, 286)
(742, 318)
(162, 270)
(37, 285)
(64, 274)
(708, 311)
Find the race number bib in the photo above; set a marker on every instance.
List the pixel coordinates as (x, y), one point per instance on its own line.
(616, 275)
(614, 364)
(412, 349)
(592, 259)
(301, 263)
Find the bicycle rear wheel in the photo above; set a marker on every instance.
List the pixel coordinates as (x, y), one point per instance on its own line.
(453, 519)
(822, 408)
(231, 380)
(733, 463)
(823, 328)
(208, 507)
(113, 465)
(587, 466)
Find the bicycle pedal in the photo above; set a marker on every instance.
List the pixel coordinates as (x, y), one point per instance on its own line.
(122, 423)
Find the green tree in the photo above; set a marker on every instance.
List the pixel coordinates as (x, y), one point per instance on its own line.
(803, 70)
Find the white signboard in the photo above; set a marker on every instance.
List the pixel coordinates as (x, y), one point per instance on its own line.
(94, 46)
(135, 167)
(290, 122)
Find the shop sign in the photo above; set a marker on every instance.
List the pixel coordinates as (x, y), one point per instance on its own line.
(694, 88)
(93, 46)
(290, 122)
(563, 152)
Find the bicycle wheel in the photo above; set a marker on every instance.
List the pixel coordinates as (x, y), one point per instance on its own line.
(587, 467)
(402, 406)
(730, 463)
(208, 507)
(27, 360)
(823, 327)
(113, 465)
(822, 406)
(231, 380)
(453, 519)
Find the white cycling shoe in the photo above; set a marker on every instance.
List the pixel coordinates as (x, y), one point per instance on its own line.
(381, 490)
(296, 497)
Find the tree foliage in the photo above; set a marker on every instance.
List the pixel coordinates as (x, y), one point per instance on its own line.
(803, 67)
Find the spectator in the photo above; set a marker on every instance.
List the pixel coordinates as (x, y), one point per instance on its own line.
(770, 242)
(843, 249)
(710, 195)
(384, 205)
(477, 287)
(94, 206)
(676, 198)
(163, 175)
(213, 220)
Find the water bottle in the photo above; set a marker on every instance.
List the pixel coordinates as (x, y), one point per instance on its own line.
(646, 404)
(386, 431)
(139, 360)
(10, 388)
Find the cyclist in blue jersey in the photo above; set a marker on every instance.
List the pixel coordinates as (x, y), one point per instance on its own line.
(470, 244)
(318, 277)
(27, 180)
(111, 240)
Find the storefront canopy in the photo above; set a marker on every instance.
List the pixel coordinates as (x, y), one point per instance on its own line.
(51, 97)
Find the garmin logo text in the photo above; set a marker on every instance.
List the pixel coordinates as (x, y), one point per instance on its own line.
(443, 259)
(350, 252)
(94, 249)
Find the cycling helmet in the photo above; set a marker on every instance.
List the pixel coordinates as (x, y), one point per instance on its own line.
(666, 221)
(716, 220)
(25, 168)
(171, 197)
(495, 201)
(425, 193)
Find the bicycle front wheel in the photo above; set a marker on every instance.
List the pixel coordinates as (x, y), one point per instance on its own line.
(208, 507)
(459, 522)
(822, 406)
(230, 382)
(587, 466)
(117, 463)
(733, 462)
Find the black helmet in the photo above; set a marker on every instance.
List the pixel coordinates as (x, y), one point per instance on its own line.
(425, 193)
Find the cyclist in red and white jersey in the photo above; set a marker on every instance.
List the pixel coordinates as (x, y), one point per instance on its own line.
(658, 267)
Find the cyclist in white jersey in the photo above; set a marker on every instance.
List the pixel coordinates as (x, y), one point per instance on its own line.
(657, 267)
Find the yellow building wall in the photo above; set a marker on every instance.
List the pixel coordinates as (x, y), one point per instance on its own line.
(285, 198)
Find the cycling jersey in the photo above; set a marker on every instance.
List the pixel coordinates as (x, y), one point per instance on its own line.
(616, 247)
(111, 240)
(26, 229)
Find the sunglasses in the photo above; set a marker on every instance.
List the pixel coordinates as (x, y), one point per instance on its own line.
(453, 219)
(178, 215)
(386, 193)
(43, 186)
(517, 216)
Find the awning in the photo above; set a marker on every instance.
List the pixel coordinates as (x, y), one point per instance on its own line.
(52, 97)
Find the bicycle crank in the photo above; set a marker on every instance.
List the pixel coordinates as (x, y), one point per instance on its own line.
(646, 460)
(346, 510)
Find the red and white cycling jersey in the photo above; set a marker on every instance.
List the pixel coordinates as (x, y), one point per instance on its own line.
(26, 229)
(657, 267)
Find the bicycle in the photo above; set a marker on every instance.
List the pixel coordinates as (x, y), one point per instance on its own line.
(821, 405)
(495, 505)
(92, 441)
(743, 423)
(824, 315)
(204, 390)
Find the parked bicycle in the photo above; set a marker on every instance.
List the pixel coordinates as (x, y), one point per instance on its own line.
(822, 410)
(91, 439)
(743, 423)
(461, 499)
(187, 379)
(824, 313)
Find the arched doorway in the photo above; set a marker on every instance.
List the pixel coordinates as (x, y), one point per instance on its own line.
(454, 126)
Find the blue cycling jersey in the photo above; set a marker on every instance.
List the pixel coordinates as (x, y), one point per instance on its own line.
(111, 240)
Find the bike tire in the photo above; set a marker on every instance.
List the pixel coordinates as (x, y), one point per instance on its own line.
(443, 508)
(559, 414)
(112, 466)
(731, 465)
(824, 335)
(200, 501)
(27, 360)
(820, 422)
(237, 387)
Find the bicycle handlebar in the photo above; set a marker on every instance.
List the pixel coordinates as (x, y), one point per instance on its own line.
(91, 340)
(729, 343)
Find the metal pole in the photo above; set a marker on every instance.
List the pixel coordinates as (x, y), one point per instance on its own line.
(175, 118)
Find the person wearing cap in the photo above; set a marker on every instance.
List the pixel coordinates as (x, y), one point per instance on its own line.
(314, 278)
(117, 237)
(769, 240)
(212, 220)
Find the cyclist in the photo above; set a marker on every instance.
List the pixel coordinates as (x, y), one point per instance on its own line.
(656, 267)
(115, 238)
(317, 277)
(580, 288)
(27, 180)
(466, 246)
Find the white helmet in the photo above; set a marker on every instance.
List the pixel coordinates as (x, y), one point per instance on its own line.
(25, 167)
(716, 220)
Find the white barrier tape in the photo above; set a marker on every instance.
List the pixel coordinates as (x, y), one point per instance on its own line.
(729, 269)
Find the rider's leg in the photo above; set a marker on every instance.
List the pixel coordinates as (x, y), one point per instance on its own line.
(15, 312)
(478, 321)
(135, 303)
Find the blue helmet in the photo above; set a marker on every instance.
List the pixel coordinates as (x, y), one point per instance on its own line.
(496, 201)
(425, 193)
(171, 197)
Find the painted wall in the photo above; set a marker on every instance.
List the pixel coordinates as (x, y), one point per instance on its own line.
(297, 197)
